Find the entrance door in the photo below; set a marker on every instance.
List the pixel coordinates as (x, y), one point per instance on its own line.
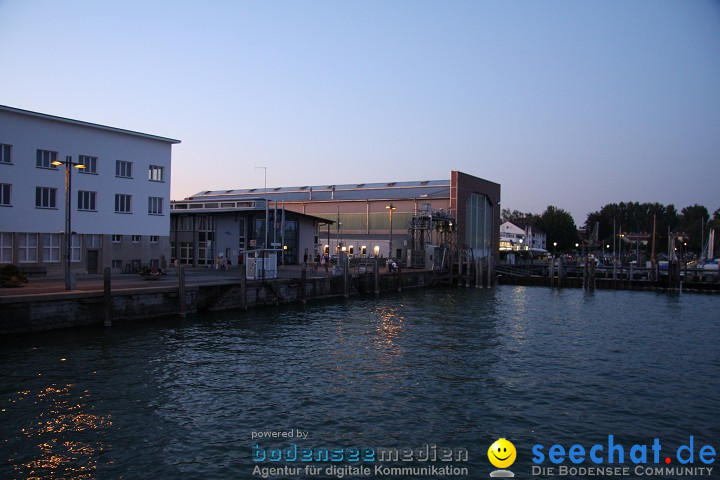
(92, 261)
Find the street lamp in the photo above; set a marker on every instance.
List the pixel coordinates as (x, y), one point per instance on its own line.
(554, 249)
(390, 207)
(68, 232)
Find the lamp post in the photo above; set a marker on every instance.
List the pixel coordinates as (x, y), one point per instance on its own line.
(390, 207)
(68, 232)
(554, 249)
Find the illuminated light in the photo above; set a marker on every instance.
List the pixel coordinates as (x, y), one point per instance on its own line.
(63, 359)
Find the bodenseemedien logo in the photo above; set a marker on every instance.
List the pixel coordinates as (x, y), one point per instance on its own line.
(502, 454)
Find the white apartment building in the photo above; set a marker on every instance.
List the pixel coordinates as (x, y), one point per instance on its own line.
(119, 204)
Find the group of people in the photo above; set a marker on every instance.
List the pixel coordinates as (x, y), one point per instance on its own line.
(221, 262)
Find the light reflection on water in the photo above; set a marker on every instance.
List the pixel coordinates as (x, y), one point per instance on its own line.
(453, 367)
(64, 440)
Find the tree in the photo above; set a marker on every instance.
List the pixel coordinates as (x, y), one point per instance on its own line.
(518, 217)
(559, 227)
(692, 222)
(636, 218)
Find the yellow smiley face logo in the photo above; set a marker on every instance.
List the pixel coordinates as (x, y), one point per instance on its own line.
(502, 453)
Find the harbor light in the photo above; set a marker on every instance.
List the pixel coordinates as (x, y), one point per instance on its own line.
(68, 231)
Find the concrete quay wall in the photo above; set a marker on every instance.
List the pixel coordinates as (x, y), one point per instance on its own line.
(50, 311)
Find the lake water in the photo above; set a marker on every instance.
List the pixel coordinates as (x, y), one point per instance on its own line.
(447, 367)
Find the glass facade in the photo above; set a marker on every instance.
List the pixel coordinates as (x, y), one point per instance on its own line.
(479, 225)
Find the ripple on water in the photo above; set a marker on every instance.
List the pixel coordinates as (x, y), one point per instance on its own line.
(452, 367)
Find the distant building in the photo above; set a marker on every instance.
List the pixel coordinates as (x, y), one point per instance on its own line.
(512, 237)
(535, 239)
(358, 216)
(521, 236)
(205, 229)
(119, 202)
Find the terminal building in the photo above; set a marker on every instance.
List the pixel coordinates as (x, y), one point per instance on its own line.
(401, 220)
(119, 202)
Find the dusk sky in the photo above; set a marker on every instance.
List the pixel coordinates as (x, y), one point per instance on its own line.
(570, 103)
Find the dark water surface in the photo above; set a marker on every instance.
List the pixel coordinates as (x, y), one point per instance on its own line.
(455, 368)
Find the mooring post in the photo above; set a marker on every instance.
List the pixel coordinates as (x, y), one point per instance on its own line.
(551, 270)
(182, 307)
(399, 280)
(376, 273)
(303, 284)
(460, 269)
(243, 287)
(490, 271)
(585, 274)
(478, 273)
(107, 297)
(345, 269)
(450, 266)
(560, 272)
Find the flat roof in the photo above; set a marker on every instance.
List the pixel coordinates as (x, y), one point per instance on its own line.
(54, 118)
(351, 191)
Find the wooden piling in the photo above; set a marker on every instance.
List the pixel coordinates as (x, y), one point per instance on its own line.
(303, 285)
(376, 273)
(551, 271)
(107, 297)
(243, 287)
(182, 306)
(560, 272)
(490, 271)
(460, 269)
(478, 273)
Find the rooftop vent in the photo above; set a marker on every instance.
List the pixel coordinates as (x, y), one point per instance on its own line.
(391, 184)
(252, 189)
(424, 182)
(360, 185)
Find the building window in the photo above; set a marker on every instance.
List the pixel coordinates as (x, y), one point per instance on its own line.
(117, 264)
(89, 162)
(6, 247)
(5, 151)
(93, 241)
(122, 203)
(5, 189)
(75, 248)
(156, 173)
(86, 201)
(135, 239)
(154, 239)
(186, 253)
(123, 169)
(51, 247)
(117, 239)
(45, 197)
(27, 248)
(155, 206)
(45, 158)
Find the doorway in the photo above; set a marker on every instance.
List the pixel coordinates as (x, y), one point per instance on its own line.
(92, 261)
